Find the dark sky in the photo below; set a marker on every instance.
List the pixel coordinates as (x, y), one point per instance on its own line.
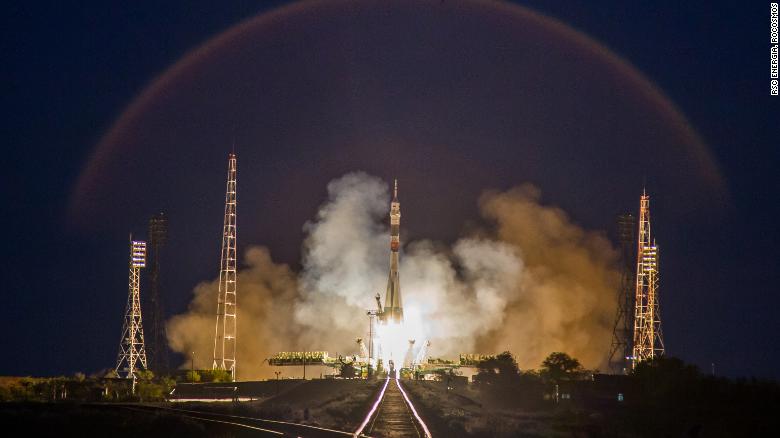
(70, 71)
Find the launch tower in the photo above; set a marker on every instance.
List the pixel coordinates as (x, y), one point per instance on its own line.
(225, 332)
(648, 338)
(131, 346)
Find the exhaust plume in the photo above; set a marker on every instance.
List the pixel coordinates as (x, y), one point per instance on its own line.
(565, 301)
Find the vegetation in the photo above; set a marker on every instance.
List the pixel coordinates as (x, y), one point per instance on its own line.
(211, 376)
(503, 370)
(559, 367)
(101, 387)
(149, 388)
(497, 370)
(506, 386)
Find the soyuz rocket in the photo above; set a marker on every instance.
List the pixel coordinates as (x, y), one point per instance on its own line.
(393, 311)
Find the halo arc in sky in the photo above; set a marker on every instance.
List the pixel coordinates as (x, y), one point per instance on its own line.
(316, 89)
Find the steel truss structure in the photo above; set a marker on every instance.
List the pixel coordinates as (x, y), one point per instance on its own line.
(620, 351)
(225, 331)
(648, 337)
(131, 346)
(157, 343)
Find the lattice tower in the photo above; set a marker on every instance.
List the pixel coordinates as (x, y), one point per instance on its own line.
(623, 330)
(225, 332)
(157, 344)
(648, 338)
(131, 346)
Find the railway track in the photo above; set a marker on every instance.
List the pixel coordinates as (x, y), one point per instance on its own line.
(393, 415)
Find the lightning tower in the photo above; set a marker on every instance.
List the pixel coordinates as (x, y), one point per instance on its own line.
(158, 347)
(648, 338)
(225, 332)
(393, 310)
(131, 346)
(622, 333)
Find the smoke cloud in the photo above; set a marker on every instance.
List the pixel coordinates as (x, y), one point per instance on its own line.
(345, 262)
(530, 281)
(266, 297)
(565, 301)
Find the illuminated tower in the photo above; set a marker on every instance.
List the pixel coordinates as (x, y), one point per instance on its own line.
(648, 338)
(393, 310)
(225, 332)
(157, 345)
(131, 346)
(623, 330)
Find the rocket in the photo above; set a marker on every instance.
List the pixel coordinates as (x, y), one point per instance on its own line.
(393, 310)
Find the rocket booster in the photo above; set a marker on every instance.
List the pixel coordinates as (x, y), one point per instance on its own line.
(393, 310)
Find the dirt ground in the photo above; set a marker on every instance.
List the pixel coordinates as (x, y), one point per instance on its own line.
(331, 403)
(467, 411)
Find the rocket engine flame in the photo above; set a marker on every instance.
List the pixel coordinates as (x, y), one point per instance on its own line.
(393, 339)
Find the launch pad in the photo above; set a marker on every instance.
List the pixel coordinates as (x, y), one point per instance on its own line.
(393, 349)
(365, 367)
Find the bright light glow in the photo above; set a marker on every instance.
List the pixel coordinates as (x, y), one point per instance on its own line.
(138, 254)
(393, 340)
(393, 345)
(413, 322)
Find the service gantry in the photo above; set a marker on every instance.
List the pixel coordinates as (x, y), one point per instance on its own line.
(648, 337)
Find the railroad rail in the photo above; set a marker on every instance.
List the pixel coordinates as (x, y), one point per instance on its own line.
(393, 415)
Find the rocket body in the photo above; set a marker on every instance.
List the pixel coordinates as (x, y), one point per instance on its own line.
(393, 310)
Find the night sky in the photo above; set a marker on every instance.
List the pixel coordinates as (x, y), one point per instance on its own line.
(451, 97)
